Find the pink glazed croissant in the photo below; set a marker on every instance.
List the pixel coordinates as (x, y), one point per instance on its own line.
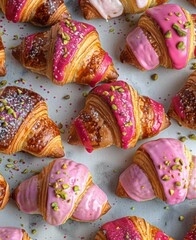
(162, 168)
(38, 12)
(164, 36)
(183, 106)
(11, 233)
(69, 52)
(63, 190)
(130, 228)
(114, 114)
(114, 8)
(2, 59)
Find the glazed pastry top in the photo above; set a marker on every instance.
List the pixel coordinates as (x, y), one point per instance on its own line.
(67, 180)
(10, 233)
(192, 184)
(15, 104)
(108, 8)
(176, 30)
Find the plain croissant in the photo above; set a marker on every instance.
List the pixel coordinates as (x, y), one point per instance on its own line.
(38, 12)
(4, 192)
(162, 168)
(69, 52)
(191, 235)
(164, 36)
(2, 59)
(63, 190)
(25, 125)
(13, 233)
(183, 106)
(114, 114)
(114, 8)
(130, 228)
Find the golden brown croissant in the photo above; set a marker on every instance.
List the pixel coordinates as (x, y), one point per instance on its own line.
(25, 125)
(13, 233)
(164, 36)
(63, 190)
(193, 2)
(191, 235)
(2, 59)
(69, 52)
(162, 168)
(38, 12)
(183, 106)
(114, 114)
(4, 192)
(130, 228)
(114, 8)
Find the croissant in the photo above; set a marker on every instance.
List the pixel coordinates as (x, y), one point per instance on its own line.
(63, 190)
(38, 12)
(162, 168)
(4, 192)
(164, 36)
(183, 106)
(191, 235)
(2, 59)
(25, 125)
(114, 8)
(114, 114)
(69, 52)
(13, 233)
(130, 228)
(193, 2)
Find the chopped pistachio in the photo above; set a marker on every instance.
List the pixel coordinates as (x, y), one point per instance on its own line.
(65, 186)
(171, 192)
(64, 166)
(183, 139)
(166, 207)
(114, 107)
(19, 91)
(111, 30)
(180, 46)
(154, 77)
(112, 98)
(25, 171)
(76, 188)
(165, 178)
(192, 136)
(178, 184)
(128, 124)
(9, 165)
(178, 14)
(34, 231)
(106, 93)
(85, 94)
(187, 24)
(66, 97)
(55, 206)
(181, 218)
(168, 34)
(3, 83)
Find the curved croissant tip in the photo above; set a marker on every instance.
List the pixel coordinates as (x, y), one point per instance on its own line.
(17, 53)
(73, 137)
(57, 151)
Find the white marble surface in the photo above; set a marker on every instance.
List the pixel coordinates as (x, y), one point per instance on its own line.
(107, 164)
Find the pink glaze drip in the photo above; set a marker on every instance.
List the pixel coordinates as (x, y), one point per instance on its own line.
(118, 97)
(178, 107)
(136, 184)
(161, 236)
(29, 42)
(142, 49)
(191, 235)
(160, 14)
(158, 115)
(192, 184)
(14, 9)
(65, 171)
(76, 37)
(101, 70)
(90, 207)
(10, 233)
(81, 130)
(121, 229)
(27, 195)
(166, 153)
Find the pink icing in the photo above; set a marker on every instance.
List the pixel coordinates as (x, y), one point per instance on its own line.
(158, 115)
(178, 107)
(73, 174)
(14, 9)
(81, 130)
(76, 37)
(191, 235)
(166, 153)
(29, 42)
(27, 195)
(142, 49)
(121, 229)
(161, 236)
(136, 184)
(118, 96)
(192, 184)
(102, 69)
(90, 207)
(11, 233)
(141, 3)
(174, 13)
